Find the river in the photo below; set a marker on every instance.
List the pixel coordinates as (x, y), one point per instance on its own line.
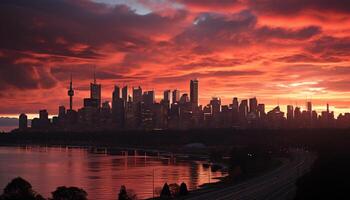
(101, 175)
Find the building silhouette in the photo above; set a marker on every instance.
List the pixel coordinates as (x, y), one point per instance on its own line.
(176, 96)
(194, 92)
(125, 93)
(143, 112)
(95, 92)
(23, 121)
(71, 93)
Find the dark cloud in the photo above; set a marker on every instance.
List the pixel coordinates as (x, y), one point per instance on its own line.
(296, 58)
(211, 32)
(62, 27)
(283, 33)
(211, 62)
(23, 76)
(292, 7)
(86, 72)
(207, 74)
(218, 30)
(331, 46)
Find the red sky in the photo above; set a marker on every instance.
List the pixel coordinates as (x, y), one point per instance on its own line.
(279, 51)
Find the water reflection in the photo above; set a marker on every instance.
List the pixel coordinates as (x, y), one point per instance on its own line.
(100, 175)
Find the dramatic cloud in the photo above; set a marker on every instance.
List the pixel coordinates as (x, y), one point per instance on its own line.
(265, 48)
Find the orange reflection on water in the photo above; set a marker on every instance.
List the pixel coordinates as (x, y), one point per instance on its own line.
(100, 175)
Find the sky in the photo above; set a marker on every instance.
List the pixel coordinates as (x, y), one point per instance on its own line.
(282, 52)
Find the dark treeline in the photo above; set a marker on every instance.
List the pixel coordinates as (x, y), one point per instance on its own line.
(211, 137)
(20, 189)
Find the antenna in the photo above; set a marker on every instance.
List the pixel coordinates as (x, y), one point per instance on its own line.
(71, 80)
(94, 74)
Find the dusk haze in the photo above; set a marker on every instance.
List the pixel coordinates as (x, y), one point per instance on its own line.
(174, 99)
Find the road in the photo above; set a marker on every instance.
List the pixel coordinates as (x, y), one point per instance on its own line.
(274, 185)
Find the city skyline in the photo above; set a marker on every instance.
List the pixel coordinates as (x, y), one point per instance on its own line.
(286, 54)
(159, 95)
(139, 110)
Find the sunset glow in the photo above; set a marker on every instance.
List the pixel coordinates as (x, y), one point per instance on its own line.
(282, 52)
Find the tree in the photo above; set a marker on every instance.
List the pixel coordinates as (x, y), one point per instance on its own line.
(19, 189)
(126, 194)
(183, 189)
(165, 191)
(174, 189)
(122, 193)
(69, 193)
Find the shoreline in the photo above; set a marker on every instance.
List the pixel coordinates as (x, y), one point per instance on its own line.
(111, 152)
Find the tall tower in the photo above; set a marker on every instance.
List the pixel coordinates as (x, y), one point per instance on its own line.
(125, 93)
(71, 93)
(116, 93)
(176, 96)
(95, 91)
(166, 96)
(253, 105)
(194, 92)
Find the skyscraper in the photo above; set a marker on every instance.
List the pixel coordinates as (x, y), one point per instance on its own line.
(23, 121)
(215, 103)
(125, 93)
(116, 93)
(194, 92)
(309, 106)
(95, 91)
(261, 109)
(148, 98)
(243, 108)
(176, 96)
(137, 94)
(253, 105)
(290, 112)
(235, 104)
(184, 98)
(71, 93)
(166, 96)
(61, 112)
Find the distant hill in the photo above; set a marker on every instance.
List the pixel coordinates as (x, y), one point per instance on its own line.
(6, 121)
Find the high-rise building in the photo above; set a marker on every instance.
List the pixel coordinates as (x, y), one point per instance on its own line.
(148, 98)
(215, 103)
(243, 108)
(71, 93)
(194, 92)
(261, 110)
(253, 105)
(176, 96)
(309, 106)
(184, 99)
(125, 93)
(137, 94)
(95, 91)
(290, 112)
(43, 115)
(23, 121)
(61, 112)
(44, 121)
(116, 93)
(235, 104)
(166, 96)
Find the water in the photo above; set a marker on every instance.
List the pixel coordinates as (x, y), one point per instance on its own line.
(100, 175)
(7, 128)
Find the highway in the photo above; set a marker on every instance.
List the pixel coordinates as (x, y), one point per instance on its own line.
(276, 184)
